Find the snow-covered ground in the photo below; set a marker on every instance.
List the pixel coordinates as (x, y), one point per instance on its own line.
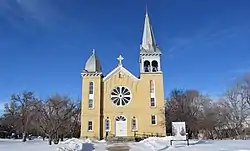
(150, 144)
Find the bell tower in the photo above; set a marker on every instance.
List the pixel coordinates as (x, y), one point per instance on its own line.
(150, 54)
(151, 77)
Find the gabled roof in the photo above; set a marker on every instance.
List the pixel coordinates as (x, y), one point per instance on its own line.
(120, 67)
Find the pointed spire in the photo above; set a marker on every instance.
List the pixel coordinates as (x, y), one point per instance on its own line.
(148, 40)
(93, 51)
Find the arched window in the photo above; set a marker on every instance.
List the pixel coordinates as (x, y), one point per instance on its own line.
(134, 124)
(91, 87)
(146, 66)
(154, 66)
(152, 86)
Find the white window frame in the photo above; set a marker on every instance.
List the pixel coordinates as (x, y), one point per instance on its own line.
(151, 102)
(152, 119)
(136, 124)
(92, 104)
(92, 126)
(109, 128)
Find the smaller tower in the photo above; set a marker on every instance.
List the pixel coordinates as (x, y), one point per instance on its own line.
(150, 53)
(92, 112)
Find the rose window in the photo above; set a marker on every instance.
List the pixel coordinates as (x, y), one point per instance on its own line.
(121, 96)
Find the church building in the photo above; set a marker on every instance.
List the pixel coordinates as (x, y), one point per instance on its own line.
(120, 104)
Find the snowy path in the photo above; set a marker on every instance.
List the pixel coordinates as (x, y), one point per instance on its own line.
(151, 144)
(118, 147)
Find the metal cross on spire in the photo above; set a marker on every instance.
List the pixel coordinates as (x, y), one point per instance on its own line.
(120, 58)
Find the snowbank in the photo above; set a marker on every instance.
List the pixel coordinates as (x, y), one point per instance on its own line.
(158, 143)
(75, 144)
(152, 144)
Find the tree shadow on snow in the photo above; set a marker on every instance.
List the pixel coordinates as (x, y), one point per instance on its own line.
(200, 142)
(181, 145)
(163, 148)
(87, 147)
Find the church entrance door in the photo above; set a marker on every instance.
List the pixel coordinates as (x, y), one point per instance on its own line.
(120, 126)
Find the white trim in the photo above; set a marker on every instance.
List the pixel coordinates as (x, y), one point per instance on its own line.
(108, 130)
(136, 124)
(92, 126)
(126, 122)
(155, 119)
(91, 96)
(152, 95)
(123, 69)
(150, 59)
(83, 74)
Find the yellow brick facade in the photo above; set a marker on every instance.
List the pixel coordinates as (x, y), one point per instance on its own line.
(120, 104)
(139, 106)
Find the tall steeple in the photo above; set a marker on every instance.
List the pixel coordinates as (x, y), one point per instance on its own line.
(148, 40)
(150, 54)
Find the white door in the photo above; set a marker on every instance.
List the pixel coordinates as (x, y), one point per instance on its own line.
(121, 126)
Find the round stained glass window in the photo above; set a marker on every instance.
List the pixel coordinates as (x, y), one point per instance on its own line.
(121, 96)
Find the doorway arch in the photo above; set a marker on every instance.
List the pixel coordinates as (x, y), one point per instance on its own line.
(120, 126)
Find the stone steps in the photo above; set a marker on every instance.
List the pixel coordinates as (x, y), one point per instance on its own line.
(118, 147)
(112, 140)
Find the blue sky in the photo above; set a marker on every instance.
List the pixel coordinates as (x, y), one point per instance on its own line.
(44, 43)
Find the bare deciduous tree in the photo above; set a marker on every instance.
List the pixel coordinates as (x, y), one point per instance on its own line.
(237, 109)
(11, 115)
(21, 110)
(243, 84)
(55, 115)
(185, 106)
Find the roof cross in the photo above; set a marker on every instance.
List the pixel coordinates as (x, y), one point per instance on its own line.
(120, 58)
